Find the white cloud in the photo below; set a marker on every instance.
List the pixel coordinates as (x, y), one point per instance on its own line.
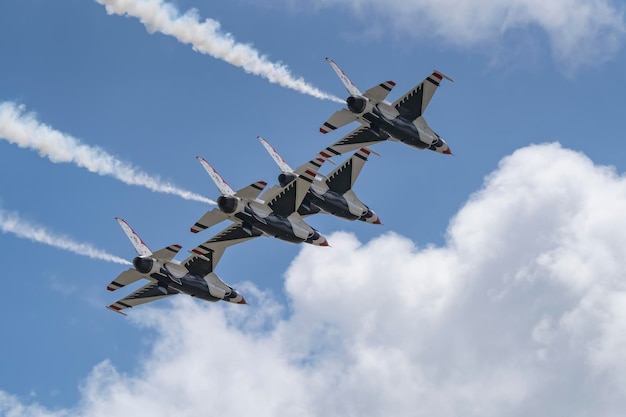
(580, 32)
(520, 313)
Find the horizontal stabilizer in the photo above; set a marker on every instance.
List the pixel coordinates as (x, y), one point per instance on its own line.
(338, 119)
(127, 277)
(168, 253)
(379, 93)
(210, 218)
(252, 191)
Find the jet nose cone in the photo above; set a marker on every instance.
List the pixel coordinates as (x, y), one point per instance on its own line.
(377, 221)
(447, 151)
(243, 301)
(323, 242)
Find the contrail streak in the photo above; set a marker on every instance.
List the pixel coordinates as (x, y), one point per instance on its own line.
(205, 37)
(11, 223)
(24, 130)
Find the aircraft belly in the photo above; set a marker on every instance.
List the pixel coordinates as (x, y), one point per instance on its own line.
(399, 129)
(406, 133)
(197, 287)
(334, 204)
(280, 228)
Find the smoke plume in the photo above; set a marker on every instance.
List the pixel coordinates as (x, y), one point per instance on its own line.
(24, 130)
(12, 223)
(206, 37)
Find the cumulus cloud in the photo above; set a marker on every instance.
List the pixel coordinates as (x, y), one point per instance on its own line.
(521, 312)
(580, 32)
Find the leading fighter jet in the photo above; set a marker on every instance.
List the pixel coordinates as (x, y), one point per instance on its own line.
(401, 120)
(274, 214)
(333, 194)
(194, 276)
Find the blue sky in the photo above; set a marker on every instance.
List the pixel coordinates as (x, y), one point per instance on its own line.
(524, 75)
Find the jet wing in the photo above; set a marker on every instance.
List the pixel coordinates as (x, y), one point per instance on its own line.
(413, 104)
(343, 177)
(284, 202)
(205, 256)
(145, 294)
(379, 93)
(287, 200)
(358, 138)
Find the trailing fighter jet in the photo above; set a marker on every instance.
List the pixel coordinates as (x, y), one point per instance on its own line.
(274, 214)
(401, 120)
(194, 276)
(333, 194)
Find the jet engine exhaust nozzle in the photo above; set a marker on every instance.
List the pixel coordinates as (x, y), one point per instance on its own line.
(143, 265)
(228, 204)
(356, 105)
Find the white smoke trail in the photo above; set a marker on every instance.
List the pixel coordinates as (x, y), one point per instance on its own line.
(24, 130)
(205, 37)
(12, 223)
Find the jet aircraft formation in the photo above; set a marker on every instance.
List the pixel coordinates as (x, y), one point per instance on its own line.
(280, 211)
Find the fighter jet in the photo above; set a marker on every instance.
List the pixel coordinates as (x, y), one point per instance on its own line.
(274, 214)
(332, 194)
(401, 120)
(167, 277)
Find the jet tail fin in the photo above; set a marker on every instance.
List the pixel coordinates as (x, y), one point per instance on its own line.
(140, 247)
(217, 179)
(282, 164)
(352, 89)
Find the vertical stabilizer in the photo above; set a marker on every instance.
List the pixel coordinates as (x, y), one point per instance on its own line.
(217, 179)
(140, 247)
(352, 89)
(282, 164)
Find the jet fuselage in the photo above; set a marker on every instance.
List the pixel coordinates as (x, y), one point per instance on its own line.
(388, 125)
(173, 277)
(336, 204)
(260, 220)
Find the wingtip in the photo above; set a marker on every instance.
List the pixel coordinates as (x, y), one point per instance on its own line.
(112, 307)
